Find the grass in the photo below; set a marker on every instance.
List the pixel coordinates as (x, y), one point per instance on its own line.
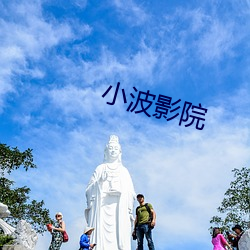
(6, 240)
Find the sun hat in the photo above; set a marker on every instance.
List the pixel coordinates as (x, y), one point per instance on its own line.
(87, 229)
(59, 213)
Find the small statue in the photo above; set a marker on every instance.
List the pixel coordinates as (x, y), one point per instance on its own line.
(23, 234)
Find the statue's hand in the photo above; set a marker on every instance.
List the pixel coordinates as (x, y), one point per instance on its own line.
(90, 201)
(132, 217)
(104, 176)
(89, 205)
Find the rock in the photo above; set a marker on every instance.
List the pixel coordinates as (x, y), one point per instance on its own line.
(244, 242)
(13, 247)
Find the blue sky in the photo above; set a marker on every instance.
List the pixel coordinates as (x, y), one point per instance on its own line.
(56, 61)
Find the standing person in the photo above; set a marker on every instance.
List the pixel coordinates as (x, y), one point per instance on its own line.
(218, 240)
(142, 226)
(110, 198)
(85, 239)
(56, 231)
(231, 239)
(239, 231)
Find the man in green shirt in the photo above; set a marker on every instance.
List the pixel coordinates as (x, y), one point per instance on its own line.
(144, 223)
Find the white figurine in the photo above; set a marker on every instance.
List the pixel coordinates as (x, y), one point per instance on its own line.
(24, 236)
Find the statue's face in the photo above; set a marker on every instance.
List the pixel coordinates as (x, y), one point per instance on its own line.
(114, 150)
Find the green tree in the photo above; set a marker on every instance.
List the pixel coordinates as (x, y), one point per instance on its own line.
(17, 199)
(235, 207)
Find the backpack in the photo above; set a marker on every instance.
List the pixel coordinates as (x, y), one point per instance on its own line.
(149, 212)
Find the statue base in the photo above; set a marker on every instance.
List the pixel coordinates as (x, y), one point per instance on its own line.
(12, 247)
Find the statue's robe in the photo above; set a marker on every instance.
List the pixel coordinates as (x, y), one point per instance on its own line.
(110, 197)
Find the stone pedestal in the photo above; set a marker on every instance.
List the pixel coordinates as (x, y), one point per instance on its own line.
(13, 247)
(244, 242)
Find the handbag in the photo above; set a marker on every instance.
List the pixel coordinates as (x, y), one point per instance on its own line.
(49, 227)
(65, 236)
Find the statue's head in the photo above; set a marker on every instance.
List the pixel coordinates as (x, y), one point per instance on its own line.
(4, 211)
(113, 150)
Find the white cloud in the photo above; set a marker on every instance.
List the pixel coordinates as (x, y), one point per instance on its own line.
(32, 33)
(143, 64)
(129, 69)
(131, 12)
(80, 3)
(25, 35)
(217, 42)
(201, 34)
(79, 102)
(198, 20)
(107, 67)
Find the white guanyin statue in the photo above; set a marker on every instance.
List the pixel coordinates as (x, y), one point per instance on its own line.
(110, 197)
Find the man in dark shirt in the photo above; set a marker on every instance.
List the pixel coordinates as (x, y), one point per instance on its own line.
(236, 237)
(144, 223)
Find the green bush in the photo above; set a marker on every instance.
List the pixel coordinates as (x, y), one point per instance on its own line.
(6, 240)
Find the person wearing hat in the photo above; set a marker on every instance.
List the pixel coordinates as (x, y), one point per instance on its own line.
(84, 240)
(144, 223)
(239, 231)
(56, 231)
